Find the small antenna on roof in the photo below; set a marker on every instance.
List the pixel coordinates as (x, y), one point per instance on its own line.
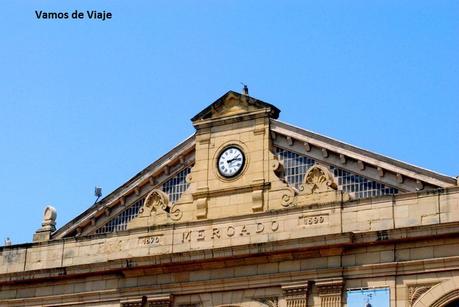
(97, 193)
(245, 89)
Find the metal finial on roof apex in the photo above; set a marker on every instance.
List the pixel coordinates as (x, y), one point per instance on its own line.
(245, 89)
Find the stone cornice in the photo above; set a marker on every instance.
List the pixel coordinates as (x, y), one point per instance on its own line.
(343, 150)
(248, 254)
(268, 280)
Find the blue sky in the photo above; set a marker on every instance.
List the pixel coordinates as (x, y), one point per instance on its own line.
(87, 103)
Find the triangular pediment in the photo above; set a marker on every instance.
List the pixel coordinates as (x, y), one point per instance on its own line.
(232, 104)
(317, 165)
(354, 163)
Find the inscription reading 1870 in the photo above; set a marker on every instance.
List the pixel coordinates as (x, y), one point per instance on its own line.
(151, 240)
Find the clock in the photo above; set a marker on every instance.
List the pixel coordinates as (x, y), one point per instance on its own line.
(230, 162)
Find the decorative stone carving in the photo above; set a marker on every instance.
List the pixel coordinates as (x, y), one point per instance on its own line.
(415, 291)
(175, 213)
(361, 165)
(330, 292)
(319, 187)
(277, 166)
(288, 197)
(155, 201)
(156, 208)
(318, 179)
(268, 301)
(296, 295)
(189, 177)
(419, 185)
(48, 225)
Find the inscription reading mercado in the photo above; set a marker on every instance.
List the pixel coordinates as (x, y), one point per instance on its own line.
(251, 211)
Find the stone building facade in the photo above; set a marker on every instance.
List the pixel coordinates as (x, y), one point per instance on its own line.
(251, 211)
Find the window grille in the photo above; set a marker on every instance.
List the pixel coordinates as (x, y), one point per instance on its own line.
(174, 187)
(120, 222)
(296, 166)
(360, 186)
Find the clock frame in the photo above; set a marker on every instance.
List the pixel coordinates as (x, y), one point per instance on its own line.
(230, 161)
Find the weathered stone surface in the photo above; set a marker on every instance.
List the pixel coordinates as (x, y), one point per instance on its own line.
(251, 240)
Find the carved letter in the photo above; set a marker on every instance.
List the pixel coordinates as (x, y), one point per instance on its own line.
(201, 236)
(274, 225)
(230, 231)
(186, 236)
(244, 231)
(215, 233)
(260, 227)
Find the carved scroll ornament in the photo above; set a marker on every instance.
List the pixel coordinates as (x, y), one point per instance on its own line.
(289, 197)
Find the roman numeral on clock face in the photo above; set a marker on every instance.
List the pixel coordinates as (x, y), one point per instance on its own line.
(230, 162)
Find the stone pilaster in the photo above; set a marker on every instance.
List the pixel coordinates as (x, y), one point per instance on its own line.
(296, 295)
(330, 292)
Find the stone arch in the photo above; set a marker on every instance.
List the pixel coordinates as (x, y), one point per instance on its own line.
(440, 295)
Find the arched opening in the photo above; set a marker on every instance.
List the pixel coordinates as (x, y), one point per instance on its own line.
(444, 294)
(454, 303)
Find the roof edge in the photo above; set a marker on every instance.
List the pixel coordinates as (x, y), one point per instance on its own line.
(208, 110)
(448, 180)
(126, 186)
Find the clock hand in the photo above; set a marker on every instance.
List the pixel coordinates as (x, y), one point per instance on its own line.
(235, 158)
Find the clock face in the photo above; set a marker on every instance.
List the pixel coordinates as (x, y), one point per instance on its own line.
(230, 162)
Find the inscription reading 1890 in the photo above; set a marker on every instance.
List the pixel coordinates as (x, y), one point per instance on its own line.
(311, 220)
